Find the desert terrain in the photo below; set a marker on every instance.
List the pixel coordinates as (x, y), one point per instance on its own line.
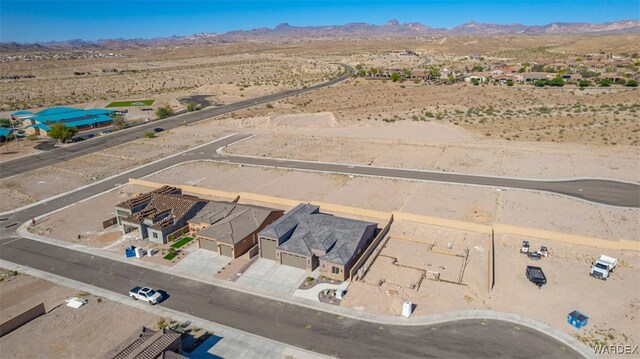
(97, 326)
(489, 129)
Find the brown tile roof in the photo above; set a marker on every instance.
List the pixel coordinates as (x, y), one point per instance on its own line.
(174, 207)
(231, 222)
(145, 197)
(146, 344)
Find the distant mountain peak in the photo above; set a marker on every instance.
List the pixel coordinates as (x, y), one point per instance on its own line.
(359, 30)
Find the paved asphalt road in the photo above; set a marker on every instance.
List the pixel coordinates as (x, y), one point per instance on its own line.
(28, 163)
(298, 326)
(608, 192)
(294, 325)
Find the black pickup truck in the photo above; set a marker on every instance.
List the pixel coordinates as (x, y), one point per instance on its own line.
(536, 276)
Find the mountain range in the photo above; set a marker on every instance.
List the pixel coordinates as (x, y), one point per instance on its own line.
(286, 32)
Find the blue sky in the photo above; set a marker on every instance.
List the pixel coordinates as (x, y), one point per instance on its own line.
(30, 21)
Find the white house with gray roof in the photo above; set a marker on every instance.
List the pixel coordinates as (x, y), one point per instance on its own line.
(308, 239)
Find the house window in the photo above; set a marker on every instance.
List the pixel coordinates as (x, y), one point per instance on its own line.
(155, 235)
(335, 270)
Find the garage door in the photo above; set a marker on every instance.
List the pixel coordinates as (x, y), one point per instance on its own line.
(267, 249)
(294, 261)
(208, 244)
(226, 250)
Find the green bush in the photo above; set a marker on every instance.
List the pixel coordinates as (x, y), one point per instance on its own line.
(539, 83)
(192, 106)
(632, 83)
(584, 83)
(509, 82)
(164, 112)
(149, 134)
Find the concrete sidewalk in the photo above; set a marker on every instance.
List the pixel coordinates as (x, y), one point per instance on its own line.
(332, 309)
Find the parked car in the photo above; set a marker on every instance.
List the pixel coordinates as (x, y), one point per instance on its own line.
(534, 255)
(78, 139)
(603, 267)
(145, 293)
(91, 135)
(525, 247)
(102, 133)
(536, 276)
(158, 129)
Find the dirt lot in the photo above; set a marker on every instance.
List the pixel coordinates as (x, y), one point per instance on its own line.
(431, 146)
(569, 286)
(64, 332)
(474, 204)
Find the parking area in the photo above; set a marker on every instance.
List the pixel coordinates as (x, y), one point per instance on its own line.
(270, 276)
(202, 262)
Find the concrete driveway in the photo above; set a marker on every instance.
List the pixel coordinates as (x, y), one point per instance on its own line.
(202, 262)
(273, 277)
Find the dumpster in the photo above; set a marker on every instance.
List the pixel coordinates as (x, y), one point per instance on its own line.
(130, 252)
(577, 319)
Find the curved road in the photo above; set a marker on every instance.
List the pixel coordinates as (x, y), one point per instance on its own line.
(32, 162)
(302, 327)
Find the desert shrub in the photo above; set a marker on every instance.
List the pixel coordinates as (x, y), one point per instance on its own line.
(584, 83)
(632, 83)
(164, 112)
(149, 134)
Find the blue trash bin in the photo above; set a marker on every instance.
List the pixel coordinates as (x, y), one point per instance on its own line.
(130, 252)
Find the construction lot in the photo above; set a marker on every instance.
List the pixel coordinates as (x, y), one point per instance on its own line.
(64, 332)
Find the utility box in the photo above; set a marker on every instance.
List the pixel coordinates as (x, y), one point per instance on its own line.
(577, 319)
(130, 252)
(407, 309)
(139, 252)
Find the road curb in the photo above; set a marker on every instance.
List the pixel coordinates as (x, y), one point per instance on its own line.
(434, 319)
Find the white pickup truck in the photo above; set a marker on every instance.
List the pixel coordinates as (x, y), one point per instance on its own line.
(603, 267)
(147, 294)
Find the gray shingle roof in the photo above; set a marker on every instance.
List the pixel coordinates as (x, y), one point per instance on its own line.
(304, 229)
(230, 222)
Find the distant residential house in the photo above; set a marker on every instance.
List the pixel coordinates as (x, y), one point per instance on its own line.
(506, 77)
(475, 76)
(149, 344)
(444, 73)
(572, 78)
(307, 239)
(611, 76)
(229, 228)
(158, 213)
(420, 74)
(537, 76)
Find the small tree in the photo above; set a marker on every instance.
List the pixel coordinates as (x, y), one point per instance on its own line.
(556, 81)
(475, 82)
(119, 122)
(164, 112)
(395, 76)
(192, 106)
(509, 82)
(61, 132)
(605, 82)
(632, 83)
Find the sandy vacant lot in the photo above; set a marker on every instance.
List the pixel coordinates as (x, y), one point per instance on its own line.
(64, 332)
(467, 203)
(431, 146)
(569, 286)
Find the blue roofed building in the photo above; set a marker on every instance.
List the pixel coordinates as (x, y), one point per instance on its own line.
(71, 117)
